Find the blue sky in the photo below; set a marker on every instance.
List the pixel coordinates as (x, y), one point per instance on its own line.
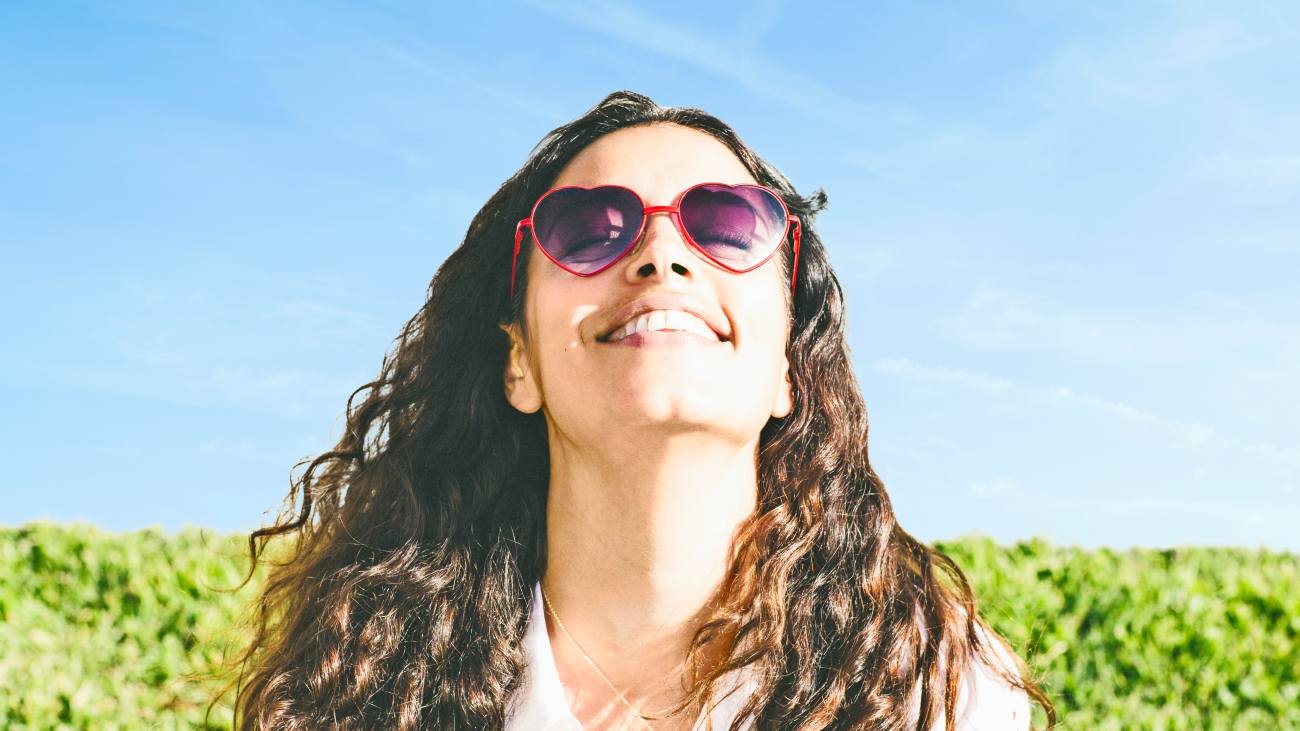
(1069, 235)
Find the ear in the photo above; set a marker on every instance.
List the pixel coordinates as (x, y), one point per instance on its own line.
(784, 403)
(520, 384)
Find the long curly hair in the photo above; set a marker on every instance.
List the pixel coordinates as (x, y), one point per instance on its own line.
(407, 582)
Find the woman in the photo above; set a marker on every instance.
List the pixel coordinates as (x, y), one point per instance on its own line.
(621, 485)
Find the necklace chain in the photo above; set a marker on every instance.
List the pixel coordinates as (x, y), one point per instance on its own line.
(592, 663)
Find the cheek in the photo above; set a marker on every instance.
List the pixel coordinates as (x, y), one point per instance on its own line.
(774, 282)
(558, 310)
(762, 349)
(764, 307)
(770, 334)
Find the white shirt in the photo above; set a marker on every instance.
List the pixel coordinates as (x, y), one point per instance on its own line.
(541, 704)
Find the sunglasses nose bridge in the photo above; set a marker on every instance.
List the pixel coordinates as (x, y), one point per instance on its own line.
(672, 213)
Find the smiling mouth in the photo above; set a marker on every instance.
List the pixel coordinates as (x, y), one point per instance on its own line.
(640, 334)
(663, 322)
(664, 338)
(610, 334)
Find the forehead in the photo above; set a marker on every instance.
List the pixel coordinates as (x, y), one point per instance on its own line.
(658, 161)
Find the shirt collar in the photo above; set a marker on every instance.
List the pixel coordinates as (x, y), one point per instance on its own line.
(541, 704)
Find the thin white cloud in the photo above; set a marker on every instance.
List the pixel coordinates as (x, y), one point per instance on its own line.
(285, 391)
(264, 342)
(1174, 432)
(1257, 173)
(966, 378)
(995, 318)
(1186, 433)
(244, 451)
(1146, 65)
(943, 149)
(1277, 455)
(1248, 513)
(737, 58)
(429, 62)
(994, 489)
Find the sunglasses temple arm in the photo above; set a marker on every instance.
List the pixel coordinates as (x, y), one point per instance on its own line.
(519, 235)
(794, 274)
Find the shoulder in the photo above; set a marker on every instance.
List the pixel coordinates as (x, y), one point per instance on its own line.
(988, 702)
(985, 701)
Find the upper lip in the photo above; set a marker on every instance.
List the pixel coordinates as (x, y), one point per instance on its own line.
(647, 303)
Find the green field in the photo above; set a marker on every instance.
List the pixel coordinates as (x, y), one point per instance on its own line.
(99, 630)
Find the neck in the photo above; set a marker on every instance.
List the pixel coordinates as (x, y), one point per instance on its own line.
(637, 545)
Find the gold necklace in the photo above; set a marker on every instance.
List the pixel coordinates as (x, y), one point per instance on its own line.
(592, 663)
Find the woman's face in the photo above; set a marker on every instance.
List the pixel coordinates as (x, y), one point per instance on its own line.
(663, 382)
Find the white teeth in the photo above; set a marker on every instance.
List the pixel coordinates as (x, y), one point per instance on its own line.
(664, 320)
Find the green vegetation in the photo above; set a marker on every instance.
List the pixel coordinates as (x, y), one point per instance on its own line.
(1188, 638)
(99, 630)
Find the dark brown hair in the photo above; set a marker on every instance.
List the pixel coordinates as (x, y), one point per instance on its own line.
(407, 586)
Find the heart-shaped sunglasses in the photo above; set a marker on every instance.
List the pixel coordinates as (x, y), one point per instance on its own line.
(585, 230)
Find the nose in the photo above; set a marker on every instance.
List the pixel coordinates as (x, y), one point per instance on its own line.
(661, 249)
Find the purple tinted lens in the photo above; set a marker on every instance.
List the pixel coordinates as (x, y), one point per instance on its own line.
(739, 226)
(585, 230)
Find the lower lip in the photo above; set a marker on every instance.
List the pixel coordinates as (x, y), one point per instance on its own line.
(651, 338)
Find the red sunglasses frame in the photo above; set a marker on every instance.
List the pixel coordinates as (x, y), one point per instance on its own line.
(675, 213)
